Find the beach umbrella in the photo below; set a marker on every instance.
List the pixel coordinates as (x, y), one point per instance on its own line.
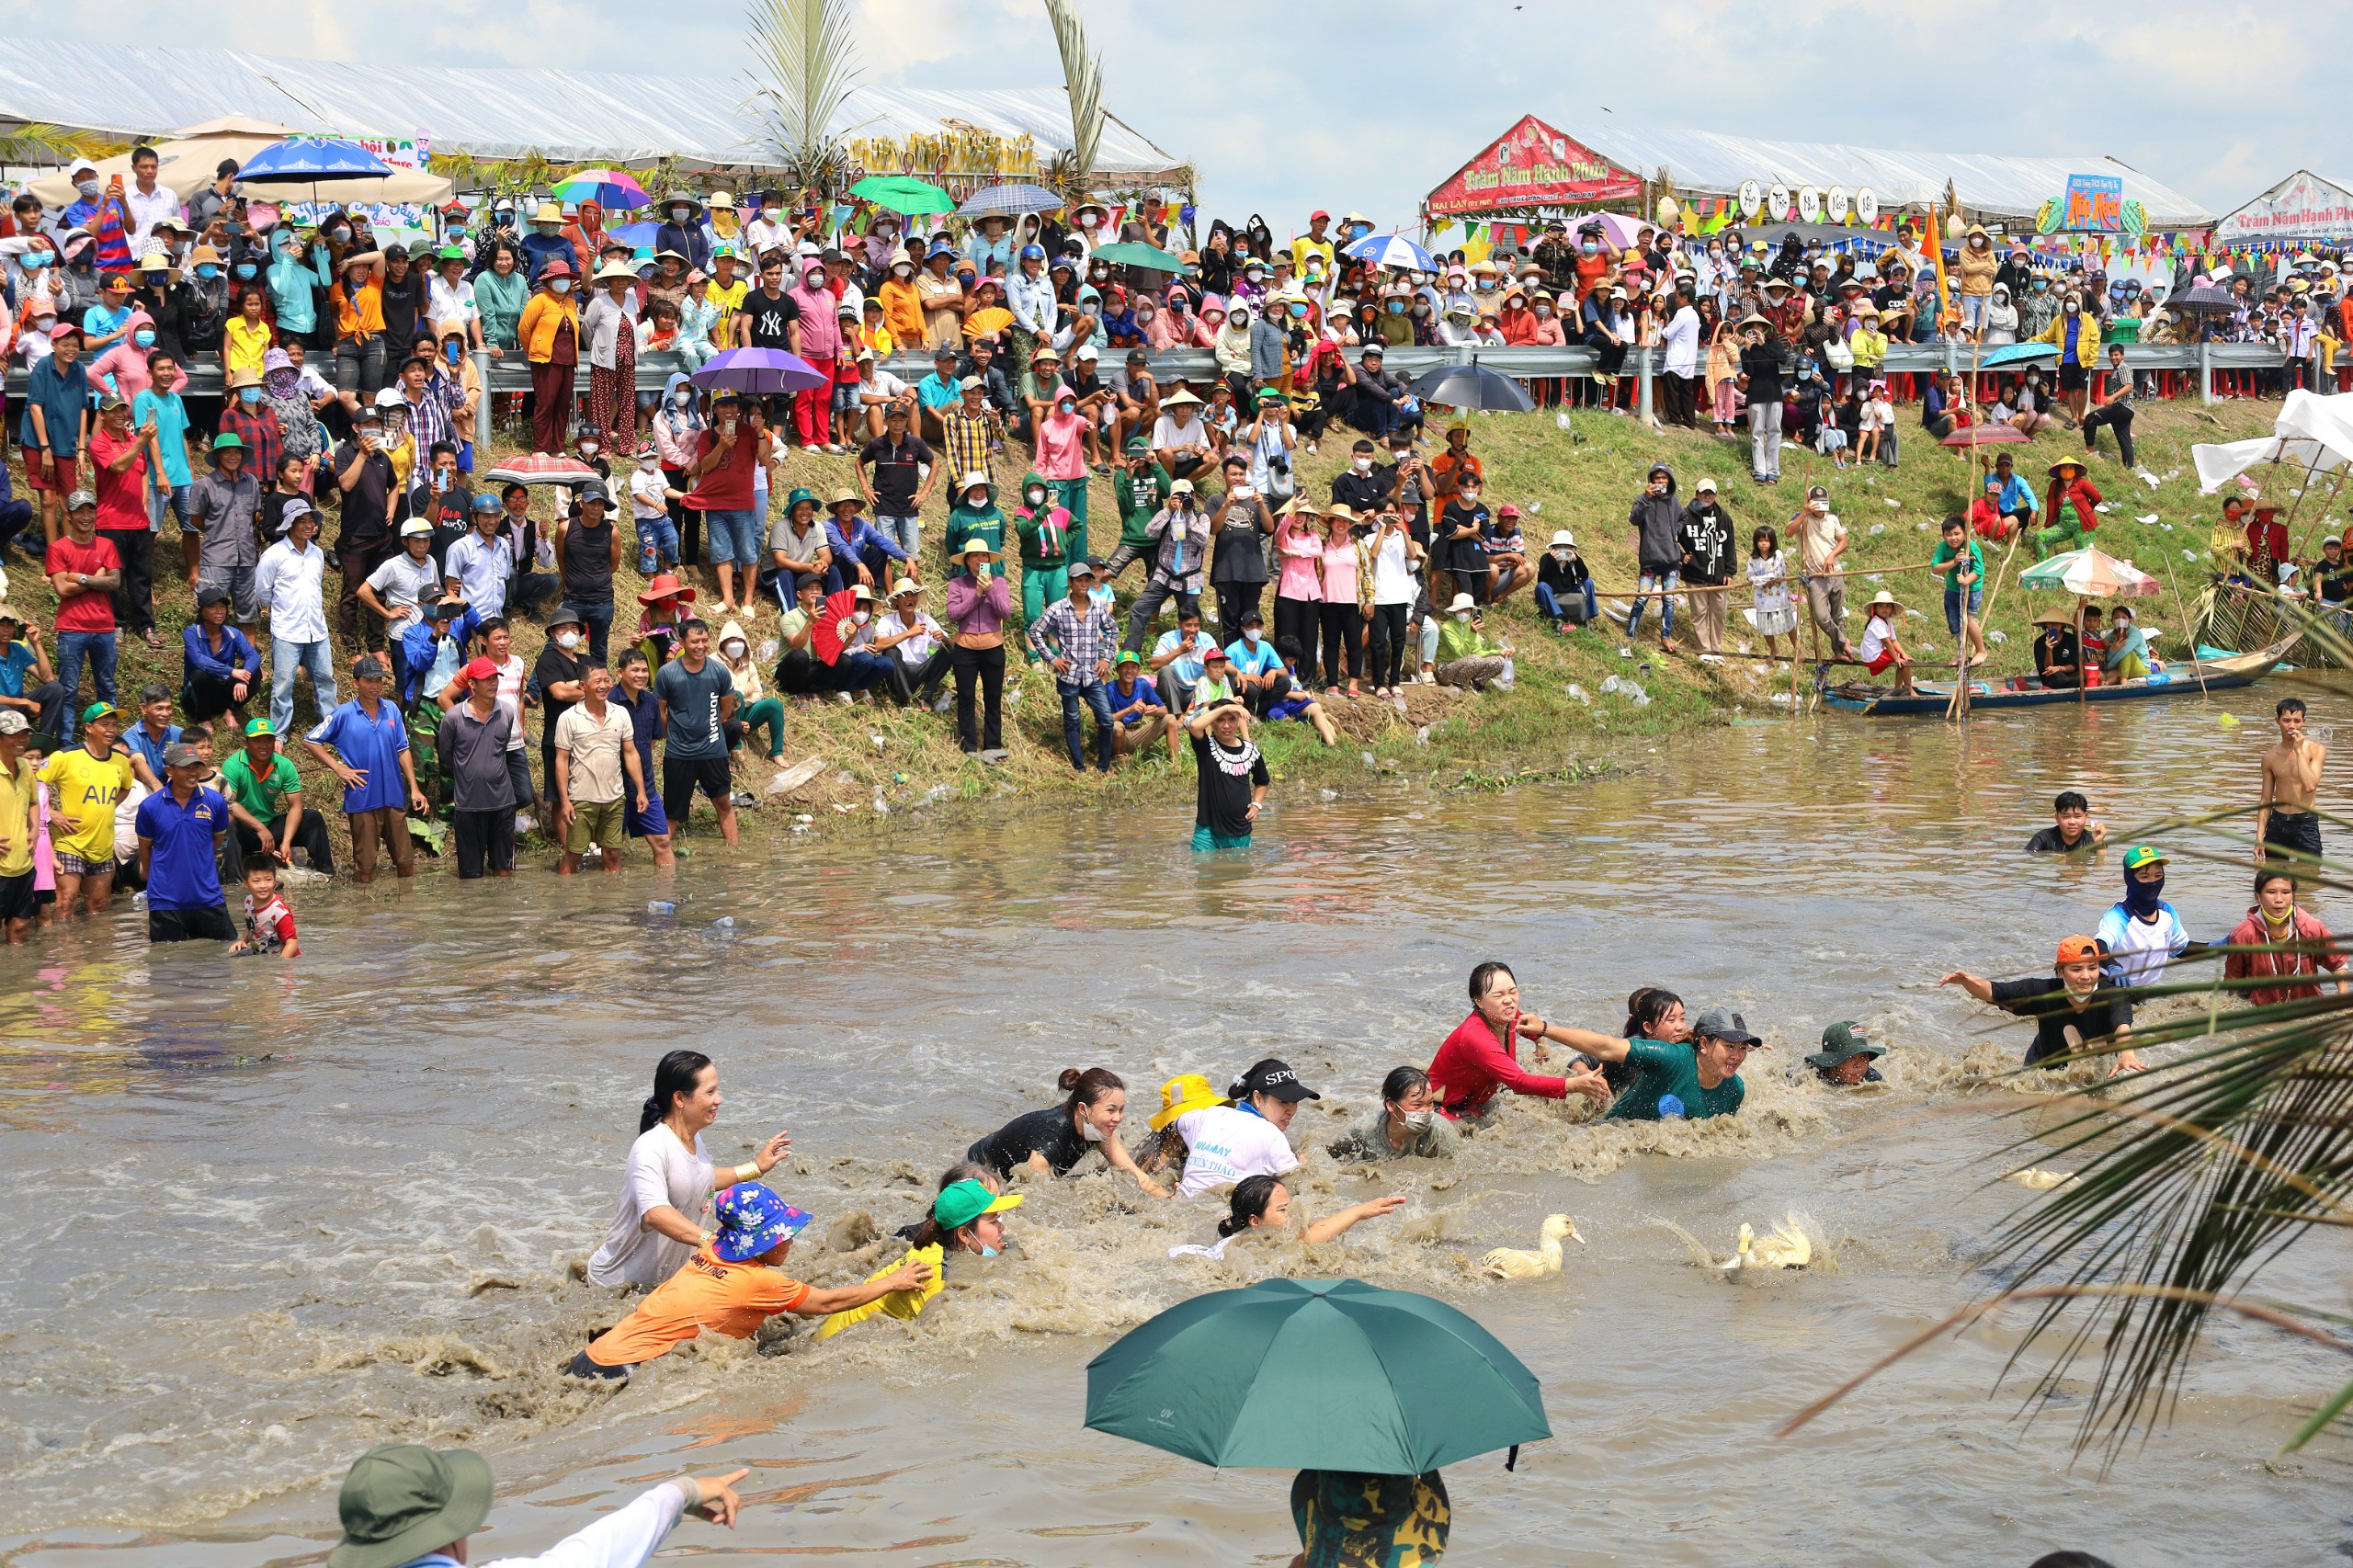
(1132, 253)
(2091, 572)
(616, 190)
(309, 160)
(1472, 386)
(1008, 202)
(1390, 250)
(1315, 1374)
(1986, 435)
(903, 193)
(760, 371)
(636, 234)
(543, 468)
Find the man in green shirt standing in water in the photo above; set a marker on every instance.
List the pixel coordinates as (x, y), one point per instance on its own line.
(1698, 1080)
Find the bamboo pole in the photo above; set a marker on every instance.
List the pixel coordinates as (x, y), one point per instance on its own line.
(2188, 631)
(2083, 670)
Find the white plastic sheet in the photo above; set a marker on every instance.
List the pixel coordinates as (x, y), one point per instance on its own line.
(2313, 435)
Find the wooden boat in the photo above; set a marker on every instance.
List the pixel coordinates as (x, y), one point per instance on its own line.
(1929, 700)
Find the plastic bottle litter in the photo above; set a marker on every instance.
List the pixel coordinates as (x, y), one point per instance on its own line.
(1331, 794)
(1878, 527)
(1610, 684)
(1893, 504)
(1422, 737)
(1998, 636)
(1579, 693)
(525, 824)
(660, 907)
(724, 923)
(139, 899)
(1921, 527)
(882, 806)
(1625, 653)
(769, 650)
(2189, 555)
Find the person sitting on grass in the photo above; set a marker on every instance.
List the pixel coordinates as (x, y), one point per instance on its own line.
(1465, 657)
(1564, 591)
(2073, 1010)
(1881, 650)
(732, 1286)
(2071, 827)
(1137, 715)
(1300, 702)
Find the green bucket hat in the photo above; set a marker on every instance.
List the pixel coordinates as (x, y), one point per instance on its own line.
(2141, 854)
(1840, 1042)
(402, 1500)
(799, 492)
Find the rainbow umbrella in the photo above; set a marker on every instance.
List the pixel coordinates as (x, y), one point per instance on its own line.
(2091, 572)
(613, 190)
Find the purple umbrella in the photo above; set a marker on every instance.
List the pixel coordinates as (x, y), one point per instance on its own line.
(759, 371)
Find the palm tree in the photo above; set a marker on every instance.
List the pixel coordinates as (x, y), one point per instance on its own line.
(37, 142)
(806, 55)
(1072, 171)
(2195, 1176)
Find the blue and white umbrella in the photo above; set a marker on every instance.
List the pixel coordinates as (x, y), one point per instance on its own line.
(1390, 250)
(307, 160)
(1008, 202)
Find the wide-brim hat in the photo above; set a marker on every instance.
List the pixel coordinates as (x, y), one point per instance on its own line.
(613, 269)
(2052, 617)
(1843, 1041)
(1185, 1092)
(402, 1500)
(1752, 319)
(2075, 463)
(666, 586)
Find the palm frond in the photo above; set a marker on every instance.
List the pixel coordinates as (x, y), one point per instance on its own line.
(1083, 77)
(805, 65)
(36, 142)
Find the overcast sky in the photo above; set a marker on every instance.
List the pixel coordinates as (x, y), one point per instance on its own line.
(1368, 104)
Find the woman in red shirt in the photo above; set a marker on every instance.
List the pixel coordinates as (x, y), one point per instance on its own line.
(1478, 1058)
(2276, 922)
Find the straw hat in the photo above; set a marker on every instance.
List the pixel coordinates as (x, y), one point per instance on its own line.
(1882, 599)
(2053, 617)
(614, 269)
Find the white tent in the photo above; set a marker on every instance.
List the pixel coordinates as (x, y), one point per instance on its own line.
(569, 117)
(1704, 163)
(187, 160)
(2313, 433)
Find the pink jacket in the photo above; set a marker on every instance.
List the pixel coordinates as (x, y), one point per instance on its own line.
(1303, 552)
(124, 367)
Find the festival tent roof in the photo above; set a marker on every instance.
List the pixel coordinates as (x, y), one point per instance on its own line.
(1705, 162)
(187, 160)
(2301, 207)
(507, 112)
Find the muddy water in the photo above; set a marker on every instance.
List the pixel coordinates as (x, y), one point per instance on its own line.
(267, 1214)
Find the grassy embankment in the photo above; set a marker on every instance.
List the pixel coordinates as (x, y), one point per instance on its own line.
(1583, 480)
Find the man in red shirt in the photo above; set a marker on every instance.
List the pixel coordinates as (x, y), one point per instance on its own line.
(120, 455)
(1478, 1059)
(724, 459)
(86, 570)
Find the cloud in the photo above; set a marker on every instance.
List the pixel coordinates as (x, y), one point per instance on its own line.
(1368, 104)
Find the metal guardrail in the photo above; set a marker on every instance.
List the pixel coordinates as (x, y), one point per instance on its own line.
(510, 374)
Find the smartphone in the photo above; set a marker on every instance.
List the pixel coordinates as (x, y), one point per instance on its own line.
(1245, 492)
(727, 427)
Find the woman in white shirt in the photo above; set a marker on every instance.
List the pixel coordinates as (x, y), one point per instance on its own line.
(1225, 1144)
(668, 1178)
(1395, 553)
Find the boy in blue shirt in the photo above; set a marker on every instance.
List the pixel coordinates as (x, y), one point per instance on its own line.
(1137, 711)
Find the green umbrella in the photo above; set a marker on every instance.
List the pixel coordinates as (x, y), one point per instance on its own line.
(1132, 254)
(1315, 1374)
(903, 193)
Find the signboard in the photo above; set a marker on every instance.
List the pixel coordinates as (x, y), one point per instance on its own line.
(2302, 205)
(1835, 203)
(1751, 199)
(1808, 204)
(2094, 204)
(1866, 206)
(409, 152)
(1776, 203)
(1532, 166)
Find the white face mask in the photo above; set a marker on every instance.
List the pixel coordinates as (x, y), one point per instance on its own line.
(1416, 1121)
(567, 640)
(1088, 1131)
(685, 397)
(1470, 498)
(1037, 497)
(560, 286)
(1251, 637)
(731, 649)
(588, 449)
(1364, 465)
(649, 465)
(858, 620)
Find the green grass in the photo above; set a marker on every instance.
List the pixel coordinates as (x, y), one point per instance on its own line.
(1584, 481)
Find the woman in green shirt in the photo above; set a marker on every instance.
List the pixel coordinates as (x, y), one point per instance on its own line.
(1698, 1080)
(500, 293)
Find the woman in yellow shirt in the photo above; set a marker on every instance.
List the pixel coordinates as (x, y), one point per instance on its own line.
(550, 333)
(902, 304)
(247, 338)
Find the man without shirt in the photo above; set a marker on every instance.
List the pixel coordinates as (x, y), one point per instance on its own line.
(2285, 816)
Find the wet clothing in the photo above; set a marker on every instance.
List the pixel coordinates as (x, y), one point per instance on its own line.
(733, 1298)
(1663, 1069)
(1472, 1064)
(2043, 998)
(2252, 932)
(1051, 1132)
(2048, 842)
(1225, 781)
(1367, 1139)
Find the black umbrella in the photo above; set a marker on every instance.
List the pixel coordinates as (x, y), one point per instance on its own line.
(2203, 300)
(1472, 386)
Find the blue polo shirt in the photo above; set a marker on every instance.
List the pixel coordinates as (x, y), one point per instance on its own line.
(16, 663)
(1249, 661)
(932, 392)
(146, 745)
(182, 872)
(374, 747)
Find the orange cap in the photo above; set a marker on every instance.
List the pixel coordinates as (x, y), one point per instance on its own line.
(2078, 949)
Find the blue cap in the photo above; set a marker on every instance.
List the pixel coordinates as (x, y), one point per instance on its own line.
(752, 1220)
(1033, 253)
(940, 248)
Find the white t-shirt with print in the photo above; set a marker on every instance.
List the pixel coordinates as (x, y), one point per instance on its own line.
(1224, 1144)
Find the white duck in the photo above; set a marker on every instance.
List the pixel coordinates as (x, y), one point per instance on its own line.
(1787, 1248)
(1512, 1263)
(2043, 1181)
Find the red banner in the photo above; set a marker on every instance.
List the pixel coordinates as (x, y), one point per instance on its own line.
(1532, 166)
